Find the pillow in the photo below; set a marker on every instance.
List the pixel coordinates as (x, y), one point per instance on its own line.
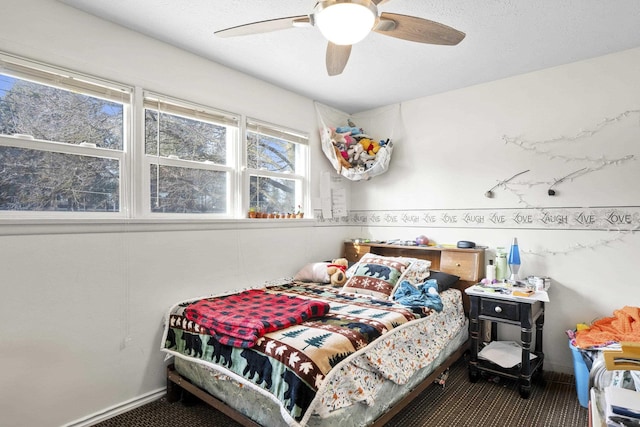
(353, 266)
(417, 272)
(376, 275)
(445, 280)
(313, 272)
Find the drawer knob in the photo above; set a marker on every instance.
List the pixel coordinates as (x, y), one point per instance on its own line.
(458, 265)
(498, 309)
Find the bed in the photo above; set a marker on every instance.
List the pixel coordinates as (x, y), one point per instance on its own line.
(353, 356)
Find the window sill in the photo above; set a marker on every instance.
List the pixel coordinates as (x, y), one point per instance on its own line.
(19, 227)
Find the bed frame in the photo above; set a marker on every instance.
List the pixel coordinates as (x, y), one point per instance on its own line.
(468, 264)
(177, 383)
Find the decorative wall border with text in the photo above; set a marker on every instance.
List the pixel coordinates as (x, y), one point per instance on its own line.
(614, 218)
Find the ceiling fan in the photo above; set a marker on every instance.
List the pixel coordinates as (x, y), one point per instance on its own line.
(346, 22)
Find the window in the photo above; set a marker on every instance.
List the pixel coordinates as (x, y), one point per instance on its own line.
(74, 146)
(277, 161)
(62, 141)
(190, 157)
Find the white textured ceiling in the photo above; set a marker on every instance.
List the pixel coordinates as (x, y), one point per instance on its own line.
(503, 38)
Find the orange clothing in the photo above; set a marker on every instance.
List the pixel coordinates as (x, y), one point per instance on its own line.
(623, 326)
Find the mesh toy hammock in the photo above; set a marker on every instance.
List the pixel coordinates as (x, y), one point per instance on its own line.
(336, 126)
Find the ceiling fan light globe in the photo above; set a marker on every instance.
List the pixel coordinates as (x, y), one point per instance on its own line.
(345, 23)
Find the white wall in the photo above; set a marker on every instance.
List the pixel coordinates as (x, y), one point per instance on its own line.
(81, 310)
(452, 151)
(81, 313)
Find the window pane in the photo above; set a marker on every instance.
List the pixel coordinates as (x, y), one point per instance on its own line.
(272, 194)
(52, 114)
(183, 190)
(269, 153)
(188, 139)
(33, 180)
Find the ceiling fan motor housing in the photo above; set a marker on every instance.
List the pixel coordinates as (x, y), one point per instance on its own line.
(345, 22)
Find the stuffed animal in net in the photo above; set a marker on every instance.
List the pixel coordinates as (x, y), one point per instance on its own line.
(370, 146)
(337, 271)
(342, 162)
(354, 153)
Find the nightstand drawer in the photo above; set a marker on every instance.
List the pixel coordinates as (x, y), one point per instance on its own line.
(501, 309)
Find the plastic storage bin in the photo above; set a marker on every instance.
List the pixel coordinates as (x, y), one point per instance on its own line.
(582, 376)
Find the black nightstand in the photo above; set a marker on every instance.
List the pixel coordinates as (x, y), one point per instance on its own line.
(524, 312)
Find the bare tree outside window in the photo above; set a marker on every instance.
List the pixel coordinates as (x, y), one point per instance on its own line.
(32, 179)
(273, 184)
(69, 148)
(186, 187)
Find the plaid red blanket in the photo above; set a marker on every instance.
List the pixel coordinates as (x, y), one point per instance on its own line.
(239, 320)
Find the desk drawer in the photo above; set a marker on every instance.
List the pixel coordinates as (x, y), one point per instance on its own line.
(465, 265)
(353, 253)
(501, 309)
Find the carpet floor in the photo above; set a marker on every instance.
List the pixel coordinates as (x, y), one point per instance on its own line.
(487, 403)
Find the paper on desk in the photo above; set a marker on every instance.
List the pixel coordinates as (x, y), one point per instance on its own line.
(503, 353)
(620, 399)
(482, 290)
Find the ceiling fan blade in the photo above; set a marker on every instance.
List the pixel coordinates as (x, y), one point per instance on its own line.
(337, 57)
(265, 26)
(418, 30)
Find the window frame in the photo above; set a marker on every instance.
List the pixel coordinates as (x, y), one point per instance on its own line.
(134, 163)
(91, 86)
(301, 174)
(191, 111)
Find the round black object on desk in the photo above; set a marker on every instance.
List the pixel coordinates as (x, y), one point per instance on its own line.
(465, 244)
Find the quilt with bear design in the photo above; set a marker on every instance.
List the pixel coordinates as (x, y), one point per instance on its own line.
(292, 364)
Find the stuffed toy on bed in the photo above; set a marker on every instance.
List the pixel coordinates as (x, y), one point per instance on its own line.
(337, 271)
(333, 273)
